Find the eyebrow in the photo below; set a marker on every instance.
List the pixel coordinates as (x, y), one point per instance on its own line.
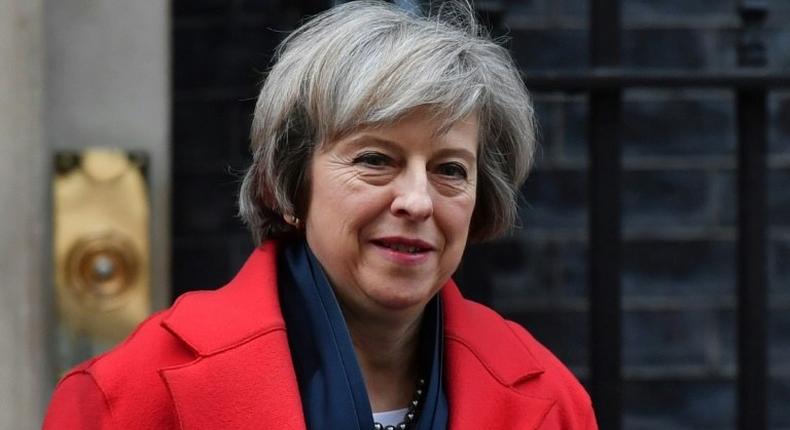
(365, 138)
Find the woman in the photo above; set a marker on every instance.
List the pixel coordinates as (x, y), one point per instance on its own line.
(383, 142)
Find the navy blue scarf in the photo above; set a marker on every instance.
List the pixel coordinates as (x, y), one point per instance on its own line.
(330, 381)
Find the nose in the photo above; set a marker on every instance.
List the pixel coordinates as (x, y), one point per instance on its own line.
(413, 199)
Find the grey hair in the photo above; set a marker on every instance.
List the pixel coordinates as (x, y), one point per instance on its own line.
(367, 63)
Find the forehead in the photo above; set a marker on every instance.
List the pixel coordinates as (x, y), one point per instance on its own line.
(418, 129)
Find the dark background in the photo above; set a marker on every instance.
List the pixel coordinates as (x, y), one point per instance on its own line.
(679, 191)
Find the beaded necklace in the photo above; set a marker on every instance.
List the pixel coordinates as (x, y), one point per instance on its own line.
(411, 413)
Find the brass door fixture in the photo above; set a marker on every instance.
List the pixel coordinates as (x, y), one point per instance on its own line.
(101, 243)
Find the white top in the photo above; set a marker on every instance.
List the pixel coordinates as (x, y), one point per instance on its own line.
(390, 418)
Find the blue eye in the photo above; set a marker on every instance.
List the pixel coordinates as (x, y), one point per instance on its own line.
(452, 170)
(373, 159)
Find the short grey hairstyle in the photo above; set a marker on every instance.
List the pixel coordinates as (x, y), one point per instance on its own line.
(367, 63)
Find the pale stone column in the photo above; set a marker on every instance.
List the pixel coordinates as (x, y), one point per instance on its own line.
(24, 378)
(73, 74)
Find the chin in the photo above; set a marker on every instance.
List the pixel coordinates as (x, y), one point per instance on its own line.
(400, 303)
(404, 299)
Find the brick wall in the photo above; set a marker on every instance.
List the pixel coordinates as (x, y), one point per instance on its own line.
(678, 204)
(679, 211)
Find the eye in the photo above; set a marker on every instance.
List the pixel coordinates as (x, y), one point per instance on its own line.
(373, 159)
(452, 170)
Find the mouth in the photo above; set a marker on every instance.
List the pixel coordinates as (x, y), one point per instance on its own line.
(404, 245)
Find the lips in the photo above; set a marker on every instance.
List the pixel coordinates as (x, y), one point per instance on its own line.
(404, 245)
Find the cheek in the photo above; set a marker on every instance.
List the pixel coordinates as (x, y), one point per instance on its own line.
(460, 213)
(346, 207)
(455, 222)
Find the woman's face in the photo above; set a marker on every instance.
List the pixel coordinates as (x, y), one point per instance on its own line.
(389, 211)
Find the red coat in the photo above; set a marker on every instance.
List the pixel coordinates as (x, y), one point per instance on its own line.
(220, 360)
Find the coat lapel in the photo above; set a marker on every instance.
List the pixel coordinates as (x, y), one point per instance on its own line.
(242, 377)
(486, 363)
(251, 386)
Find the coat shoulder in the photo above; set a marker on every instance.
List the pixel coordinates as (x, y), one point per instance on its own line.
(130, 377)
(514, 347)
(150, 347)
(573, 404)
(481, 343)
(555, 370)
(109, 390)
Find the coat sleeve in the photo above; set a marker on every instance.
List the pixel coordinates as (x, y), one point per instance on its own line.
(78, 403)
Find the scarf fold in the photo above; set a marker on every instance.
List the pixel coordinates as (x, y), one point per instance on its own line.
(330, 381)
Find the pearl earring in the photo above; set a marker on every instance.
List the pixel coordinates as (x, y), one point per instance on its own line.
(292, 220)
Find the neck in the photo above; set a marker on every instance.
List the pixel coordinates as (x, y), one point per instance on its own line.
(387, 354)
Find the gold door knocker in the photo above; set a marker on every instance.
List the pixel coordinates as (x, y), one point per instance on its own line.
(101, 244)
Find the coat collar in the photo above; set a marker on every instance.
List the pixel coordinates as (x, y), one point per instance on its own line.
(211, 321)
(243, 377)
